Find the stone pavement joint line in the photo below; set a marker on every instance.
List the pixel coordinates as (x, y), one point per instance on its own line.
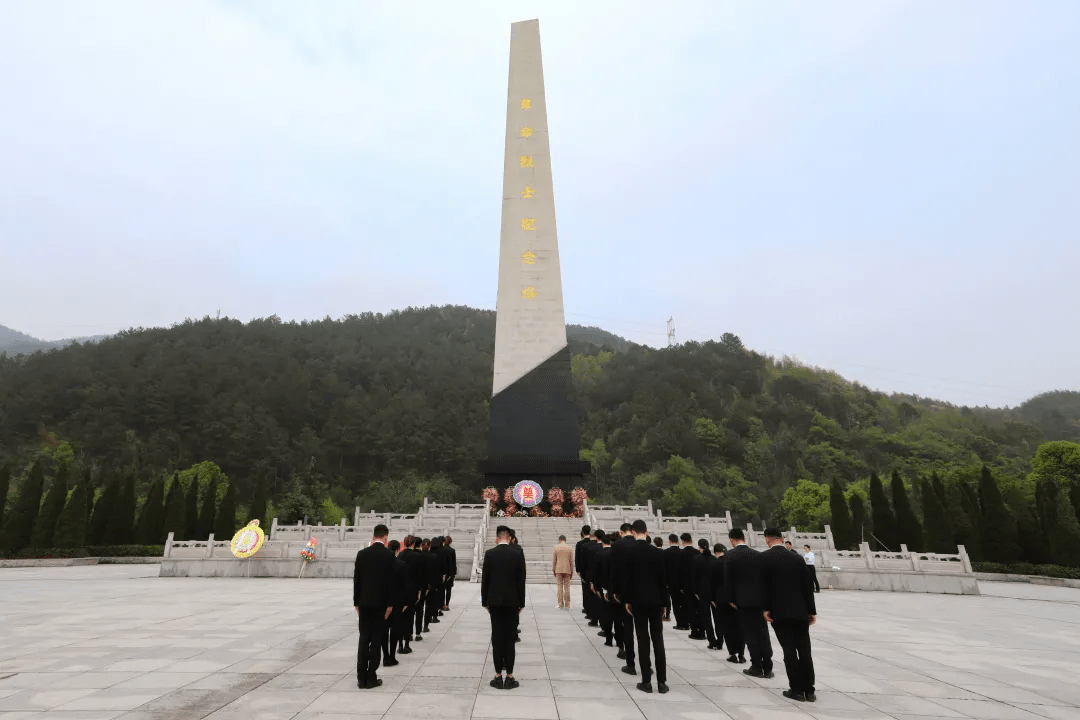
(100, 642)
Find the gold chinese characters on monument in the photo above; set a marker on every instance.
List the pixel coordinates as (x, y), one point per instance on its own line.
(529, 293)
(526, 132)
(527, 192)
(528, 223)
(526, 104)
(528, 257)
(527, 161)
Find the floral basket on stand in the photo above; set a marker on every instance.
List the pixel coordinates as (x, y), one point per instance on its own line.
(491, 495)
(556, 498)
(308, 554)
(511, 509)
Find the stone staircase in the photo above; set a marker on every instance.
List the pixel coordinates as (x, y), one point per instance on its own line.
(537, 537)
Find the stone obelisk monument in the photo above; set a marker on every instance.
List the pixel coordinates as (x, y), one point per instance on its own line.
(534, 422)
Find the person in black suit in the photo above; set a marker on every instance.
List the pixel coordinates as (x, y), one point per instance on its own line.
(789, 606)
(687, 555)
(621, 551)
(724, 618)
(702, 570)
(452, 570)
(595, 575)
(414, 582)
(646, 588)
(438, 581)
(579, 557)
(672, 561)
(373, 598)
(588, 552)
(518, 549)
(502, 592)
(392, 636)
(744, 590)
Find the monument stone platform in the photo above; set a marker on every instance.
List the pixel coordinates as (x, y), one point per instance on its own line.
(103, 642)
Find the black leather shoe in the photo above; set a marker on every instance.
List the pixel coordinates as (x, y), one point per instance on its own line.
(768, 675)
(418, 637)
(510, 684)
(742, 659)
(362, 685)
(715, 647)
(427, 629)
(405, 651)
(497, 683)
(753, 672)
(391, 662)
(810, 697)
(629, 669)
(644, 687)
(792, 695)
(601, 634)
(609, 644)
(662, 688)
(732, 659)
(621, 655)
(440, 613)
(435, 620)
(594, 623)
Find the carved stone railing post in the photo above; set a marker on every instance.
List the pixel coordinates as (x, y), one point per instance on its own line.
(868, 556)
(964, 559)
(829, 538)
(210, 546)
(168, 546)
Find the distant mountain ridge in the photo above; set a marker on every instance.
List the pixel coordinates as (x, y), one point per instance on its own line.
(13, 342)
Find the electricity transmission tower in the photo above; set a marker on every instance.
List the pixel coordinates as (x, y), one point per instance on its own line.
(670, 331)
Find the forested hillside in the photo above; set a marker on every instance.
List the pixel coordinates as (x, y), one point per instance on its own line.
(378, 409)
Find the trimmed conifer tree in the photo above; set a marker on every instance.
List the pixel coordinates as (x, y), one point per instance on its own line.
(225, 520)
(908, 529)
(258, 504)
(206, 512)
(174, 509)
(1058, 522)
(840, 518)
(964, 508)
(997, 526)
(152, 517)
(860, 526)
(71, 525)
(45, 525)
(121, 529)
(882, 517)
(90, 492)
(24, 510)
(103, 508)
(939, 537)
(5, 484)
(191, 510)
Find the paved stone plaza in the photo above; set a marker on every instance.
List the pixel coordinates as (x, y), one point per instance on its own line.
(119, 642)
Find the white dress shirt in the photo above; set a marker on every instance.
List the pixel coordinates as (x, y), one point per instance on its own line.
(809, 557)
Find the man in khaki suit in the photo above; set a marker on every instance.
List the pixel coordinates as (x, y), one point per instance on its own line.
(562, 565)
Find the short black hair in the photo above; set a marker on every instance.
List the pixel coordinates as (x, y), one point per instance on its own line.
(394, 545)
(703, 544)
(806, 546)
(513, 533)
(639, 526)
(585, 529)
(787, 542)
(597, 533)
(719, 547)
(686, 537)
(600, 536)
(673, 538)
(626, 527)
(502, 530)
(736, 534)
(771, 532)
(380, 531)
(658, 541)
(562, 537)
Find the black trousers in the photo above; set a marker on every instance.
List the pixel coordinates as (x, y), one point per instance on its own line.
(756, 634)
(705, 623)
(626, 622)
(719, 626)
(405, 624)
(678, 606)
(813, 576)
(690, 609)
(607, 617)
(794, 638)
(649, 624)
(434, 603)
(449, 590)
(732, 631)
(372, 629)
(503, 636)
(391, 635)
(421, 611)
(612, 609)
(667, 606)
(586, 601)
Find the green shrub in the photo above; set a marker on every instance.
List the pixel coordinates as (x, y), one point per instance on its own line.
(1057, 571)
(90, 551)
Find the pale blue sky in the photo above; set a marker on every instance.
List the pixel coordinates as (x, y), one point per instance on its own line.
(889, 189)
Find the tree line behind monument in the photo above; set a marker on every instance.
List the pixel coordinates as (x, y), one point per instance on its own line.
(382, 410)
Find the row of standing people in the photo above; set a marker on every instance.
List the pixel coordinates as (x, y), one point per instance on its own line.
(399, 587)
(721, 596)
